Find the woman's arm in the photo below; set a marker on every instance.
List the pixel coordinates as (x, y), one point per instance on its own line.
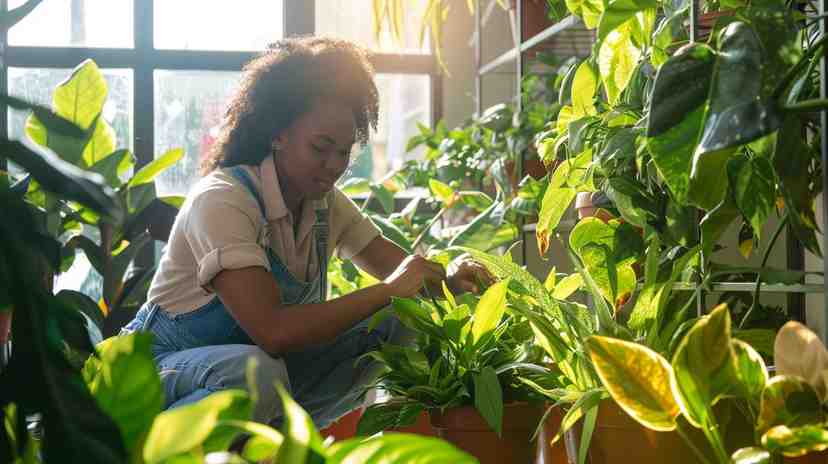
(380, 257)
(254, 299)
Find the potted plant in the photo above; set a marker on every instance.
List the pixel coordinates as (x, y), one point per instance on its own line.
(467, 369)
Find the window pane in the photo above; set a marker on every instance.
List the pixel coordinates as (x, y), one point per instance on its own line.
(352, 19)
(189, 106)
(38, 84)
(75, 23)
(405, 100)
(213, 25)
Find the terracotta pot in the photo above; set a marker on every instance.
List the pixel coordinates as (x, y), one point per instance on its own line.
(344, 428)
(585, 207)
(465, 428)
(421, 427)
(707, 21)
(618, 438)
(5, 326)
(534, 167)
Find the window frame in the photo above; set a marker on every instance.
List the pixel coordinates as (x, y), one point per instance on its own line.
(144, 59)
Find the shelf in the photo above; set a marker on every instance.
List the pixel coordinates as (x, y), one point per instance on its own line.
(751, 286)
(564, 226)
(545, 34)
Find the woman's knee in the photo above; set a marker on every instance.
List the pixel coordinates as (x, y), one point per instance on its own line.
(268, 372)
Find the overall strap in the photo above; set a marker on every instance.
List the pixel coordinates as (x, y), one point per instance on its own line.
(239, 173)
(320, 229)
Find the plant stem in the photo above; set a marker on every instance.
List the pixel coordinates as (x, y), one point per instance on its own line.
(711, 430)
(790, 75)
(758, 288)
(702, 458)
(428, 227)
(807, 106)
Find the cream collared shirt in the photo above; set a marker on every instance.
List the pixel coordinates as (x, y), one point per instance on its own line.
(220, 226)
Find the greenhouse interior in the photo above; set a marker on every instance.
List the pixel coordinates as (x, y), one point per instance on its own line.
(443, 231)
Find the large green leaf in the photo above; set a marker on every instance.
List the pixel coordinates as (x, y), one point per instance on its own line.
(302, 443)
(737, 114)
(617, 12)
(393, 448)
(789, 401)
(487, 230)
(703, 366)
(382, 416)
(155, 167)
(617, 60)
(113, 166)
(754, 189)
(391, 232)
(796, 441)
(126, 385)
(672, 152)
(184, 429)
(588, 10)
(488, 398)
(62, 178)
(555, 203)
(52, 122)
(584, 88)
(489, 310)
(638, 379)
(100, 144)
(750, 370)
(264, 441)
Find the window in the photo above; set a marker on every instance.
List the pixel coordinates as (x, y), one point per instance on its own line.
(212, 25)
(352, 19)
(75, 23)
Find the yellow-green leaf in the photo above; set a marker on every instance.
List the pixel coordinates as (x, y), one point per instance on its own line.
(81, 97)
(703, 366)
(584, 86)
(157, 166)
(567, 286)
(489, 310)
(638, 379)
(442, 191)
(617, 61)
(789, 401)
(797, 441)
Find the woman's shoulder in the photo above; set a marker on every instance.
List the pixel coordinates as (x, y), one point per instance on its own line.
(221, 186)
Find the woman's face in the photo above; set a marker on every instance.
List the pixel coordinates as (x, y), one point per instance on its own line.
(316, 150)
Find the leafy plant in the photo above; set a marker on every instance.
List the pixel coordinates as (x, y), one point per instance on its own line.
(469, 351)
(709, 366)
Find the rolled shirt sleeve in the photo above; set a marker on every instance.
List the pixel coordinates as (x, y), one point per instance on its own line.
(224, 232)
(353, 231)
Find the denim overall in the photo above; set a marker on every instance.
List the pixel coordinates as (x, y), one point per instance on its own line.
(205, 350)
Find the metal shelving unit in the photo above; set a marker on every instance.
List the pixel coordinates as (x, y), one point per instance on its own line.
(795, 254)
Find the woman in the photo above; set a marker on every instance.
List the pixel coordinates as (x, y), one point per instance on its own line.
(244, 267)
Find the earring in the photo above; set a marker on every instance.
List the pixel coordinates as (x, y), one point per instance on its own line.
(276, 147)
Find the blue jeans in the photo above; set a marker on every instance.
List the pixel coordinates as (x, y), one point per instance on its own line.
(324, 380)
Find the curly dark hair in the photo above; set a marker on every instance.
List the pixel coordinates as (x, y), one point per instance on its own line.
(280, 85)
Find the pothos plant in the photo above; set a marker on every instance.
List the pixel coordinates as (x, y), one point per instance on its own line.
(786, 412)
(689, 140)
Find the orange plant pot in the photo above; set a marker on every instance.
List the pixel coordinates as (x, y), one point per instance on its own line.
(813, 458)
(618, 438)
(421, 427)
(547, 453)
(344, 428)
(466, 429)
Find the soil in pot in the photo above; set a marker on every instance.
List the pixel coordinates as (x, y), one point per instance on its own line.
(619, 439)
(465, 428)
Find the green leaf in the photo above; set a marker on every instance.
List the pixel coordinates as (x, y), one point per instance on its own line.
(752, 455)
(264, 441)
(384, 196)
(617, 60)
(754, 189)
(555, 203)
(489, 229)
(391, 232)
(488, 398)
(383, 416)
(736, 114)
(185, 428)
(750, 370)
(64, 179)
(588, 10)
(796, 441)
(617, 12)
(392, 448)
(584, 87)
(638, 379)
(703, 366)
(355, 186)
(760, 340)
(302, 442)
(443, 192)
(157, 166)
(100, 144)
(567, 286)
(788, 401)
(126, 386)
(81, 97)
(489, 310)
(51, 122)
(112, 166)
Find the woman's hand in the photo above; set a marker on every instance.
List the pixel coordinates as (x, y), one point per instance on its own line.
(466, 275)
(412, 274)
